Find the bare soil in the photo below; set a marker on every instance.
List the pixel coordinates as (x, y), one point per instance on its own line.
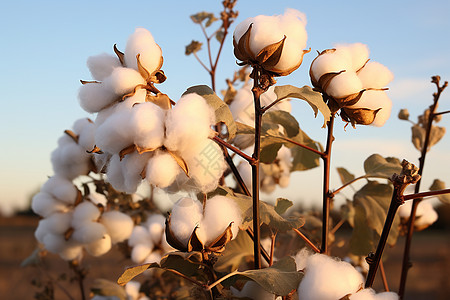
(427, 279)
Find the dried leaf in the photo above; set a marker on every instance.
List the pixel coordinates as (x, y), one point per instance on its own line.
(171, 238)
(72, 135)
(345, 175)
(142, 70)
(194, 243)
(242, 48)
(160, 99)
(282, 205)
(440, 185)
(220, 35)
(127, 150)
(108, 288)
(361, 116)
(120, 55)
(270, 55)
(218, 245)
(202, 16)
(193, 47)
(235, 253)
(284, 119)
(378, 166)
(132, 272)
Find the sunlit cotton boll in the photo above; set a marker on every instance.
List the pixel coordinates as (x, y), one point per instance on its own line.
(95, 96)
(268, 30)
(374, 99)
(357, 52)
(185, 216)
(188, 123)
(61, 188)
(147, 123)
(118, 225)
(328, 279)
(133, 165)
(375, 75)
(329, 62)
(344, 85)
(85, 212)
(85, 129)
(44, 204)
(369, 294)
(57, 223)
(141, 42)
(102, 65)
(425, 213)
(162, 169)
(100, 246)
(114, 134)
(123, 81)
(88, 232)
(220, 212)
(69, 159)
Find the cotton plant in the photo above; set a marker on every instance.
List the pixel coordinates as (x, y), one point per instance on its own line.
(148, 240)
(352, 84)
(140, 135)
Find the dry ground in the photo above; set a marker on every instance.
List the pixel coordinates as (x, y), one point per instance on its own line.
(428, 279)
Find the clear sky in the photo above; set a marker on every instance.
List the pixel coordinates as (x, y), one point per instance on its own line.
(45, 44)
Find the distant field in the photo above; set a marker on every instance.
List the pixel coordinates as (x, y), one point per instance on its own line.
(428, 279)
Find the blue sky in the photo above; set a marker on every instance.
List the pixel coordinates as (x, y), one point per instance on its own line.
(45, 45)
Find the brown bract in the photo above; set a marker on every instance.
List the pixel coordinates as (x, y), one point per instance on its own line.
(267, 58)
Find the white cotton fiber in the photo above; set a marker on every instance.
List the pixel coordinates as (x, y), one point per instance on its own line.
(142, 42)
(186, 215)
(54, 243)
(206, 164)
(328, 279)
(123, 81)
(153, 257)
(44, 204)
(375, 75)
(89, 232)
(147, 124)
(268, 184)
(245, 169)
(61, 189)
(329, 62)
(114, 134)
(133, 165)
(95, 96)
(374, 99)
(140, 235)
(188, 123)
(301, 258)
(369, 294)
(70, 160)
(242, 106)
(344, 85)
(114, 173)
(85, 129)
(118, 225)
(102, 65)
(72, 251)
(58, 223)
(155, 225)
(220, 212)
(162, 169)
(99, 247)
(358, 52)
(97, 198)
(132, 289)
(85, 212)
(425, 213)
(140, 252)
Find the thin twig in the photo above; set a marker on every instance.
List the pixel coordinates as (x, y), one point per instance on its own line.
(337, 226)
(201, 63)
(426, 194)
(383, 277)
(442, 113)
(234, 149)
(307, 241)
(321, 154)
(332, 194)
(272, 248)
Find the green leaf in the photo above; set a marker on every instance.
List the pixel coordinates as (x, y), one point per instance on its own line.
(284, 119)
(187, 263)
(269, 216)
(362, 240)
(32, 260)
(193, 47)
(105, 287)
(348, 212)
(378, 166)
(304, 159)
(269, 152)
(235, 253)
(375, 199)
(282, 205)
(440, 185)
(221, 109)
(419, 133)
(345, 175)
(279, 279)
(314, 99)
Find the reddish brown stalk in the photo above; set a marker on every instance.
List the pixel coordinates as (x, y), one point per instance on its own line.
(306, 240)
(383, 277)
(234, 149)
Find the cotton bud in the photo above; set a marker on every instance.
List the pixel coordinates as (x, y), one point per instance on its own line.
(141, 43)
(185, 216)
(328, 279)
(273, 42)
(118, 225)
(102, 65)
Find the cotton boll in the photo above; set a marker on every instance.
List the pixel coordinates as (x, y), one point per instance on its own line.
(252, 290)
(147, 123)
(44, 204)
(142, 42)
(61, 189)
(425, 213)
(162, 170)
(95, 96)
(186, 215)
(140, 252)
(206, 164)
(123, 81)
(102, 65)
(188, 123)
(156, 224)
(268, 185)
(54, 243)
(140, 235)
(374, 100)
(245, 170)
(70, 161)
(114, 134)
(369, 294)
(85, 129)
(132, 290)
(99, 247)
(328, 279)
(329, 62)
(118, 225)
(284, 181)
(115, 174)
(88, 232)
(220, 211)
(85, 212)
(358, 52)
(58, 223)
(301, 258)
(375, 75)
(153, 257)
(132, 166)
(344, 85)
(242, 106)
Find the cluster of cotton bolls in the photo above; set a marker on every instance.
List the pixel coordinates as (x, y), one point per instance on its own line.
(425, 214)
(148, 240)
(140, 138)
(270, 174)
(344, 72)
(70, 225)
(209, 222)
(328, 278)
(253, 35)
